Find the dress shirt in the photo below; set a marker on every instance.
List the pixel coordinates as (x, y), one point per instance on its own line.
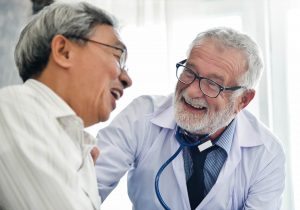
(214, 160)
(45, 159)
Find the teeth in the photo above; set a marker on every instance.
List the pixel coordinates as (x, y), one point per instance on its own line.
(116, 93)
(195, 104)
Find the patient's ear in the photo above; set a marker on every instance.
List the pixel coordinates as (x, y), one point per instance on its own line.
(61, 49)
(245, 99)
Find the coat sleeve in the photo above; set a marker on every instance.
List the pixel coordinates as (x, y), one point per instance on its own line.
(120, 144)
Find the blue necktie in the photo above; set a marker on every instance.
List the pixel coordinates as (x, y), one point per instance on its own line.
(195, 184)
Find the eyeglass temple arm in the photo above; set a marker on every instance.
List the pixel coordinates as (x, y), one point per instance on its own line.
(233, 88)
(180, 63)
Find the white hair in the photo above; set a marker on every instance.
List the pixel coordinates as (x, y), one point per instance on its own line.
(230, 38)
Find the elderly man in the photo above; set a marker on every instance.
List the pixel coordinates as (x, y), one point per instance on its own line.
(72, 62)
(199, 148)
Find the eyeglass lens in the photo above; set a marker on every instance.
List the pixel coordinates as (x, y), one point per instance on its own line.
(207, 86)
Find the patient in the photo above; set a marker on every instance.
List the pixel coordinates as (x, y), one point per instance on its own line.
(72, 62)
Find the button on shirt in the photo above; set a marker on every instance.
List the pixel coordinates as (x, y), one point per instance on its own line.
(214, 160)
(45, 159)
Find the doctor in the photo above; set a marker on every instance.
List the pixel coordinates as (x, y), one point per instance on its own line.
(244, 167)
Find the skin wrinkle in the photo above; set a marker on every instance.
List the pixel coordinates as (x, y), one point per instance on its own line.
(229, 64)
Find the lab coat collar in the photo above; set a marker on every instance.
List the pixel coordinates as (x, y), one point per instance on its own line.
(245, 127)
(163, 116)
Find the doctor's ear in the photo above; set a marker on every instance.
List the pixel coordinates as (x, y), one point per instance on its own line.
(245, 99)
(60, 51)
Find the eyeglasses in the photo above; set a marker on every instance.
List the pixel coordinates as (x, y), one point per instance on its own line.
(208, 87)
(123, 56)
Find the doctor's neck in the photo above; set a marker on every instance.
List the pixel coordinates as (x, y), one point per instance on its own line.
(212, 136)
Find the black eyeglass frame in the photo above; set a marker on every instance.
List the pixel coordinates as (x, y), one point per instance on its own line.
(122, 60)
(221, 87)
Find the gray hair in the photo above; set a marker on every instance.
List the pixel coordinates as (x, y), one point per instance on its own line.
(230, 38)
(70, 20)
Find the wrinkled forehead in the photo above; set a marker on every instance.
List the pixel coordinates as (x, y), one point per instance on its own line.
(218, 45)
(217, 57)
(216, 48)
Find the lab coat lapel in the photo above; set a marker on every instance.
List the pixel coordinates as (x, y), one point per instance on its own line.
(245, 136)
(178, 168)
(231, 163)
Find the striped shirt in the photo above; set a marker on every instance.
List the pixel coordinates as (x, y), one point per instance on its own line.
(45, 160)
(215, 159)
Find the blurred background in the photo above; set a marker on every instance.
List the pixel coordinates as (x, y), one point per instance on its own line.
(158, 33)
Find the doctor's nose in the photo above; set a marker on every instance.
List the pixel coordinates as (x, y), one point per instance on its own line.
(194, 90)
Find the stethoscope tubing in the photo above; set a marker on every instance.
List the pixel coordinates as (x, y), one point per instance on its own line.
(182, 145)
(161, 200)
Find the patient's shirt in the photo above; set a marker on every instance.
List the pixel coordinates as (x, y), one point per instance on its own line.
(45, 160)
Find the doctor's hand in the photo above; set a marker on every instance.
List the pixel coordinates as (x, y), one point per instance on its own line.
(95, 153)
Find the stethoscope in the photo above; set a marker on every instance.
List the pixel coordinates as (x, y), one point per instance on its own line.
(203, 143)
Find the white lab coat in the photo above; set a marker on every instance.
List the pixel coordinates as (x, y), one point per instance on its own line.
(141, 138)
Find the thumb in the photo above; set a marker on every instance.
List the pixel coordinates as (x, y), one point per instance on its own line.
(95, 152)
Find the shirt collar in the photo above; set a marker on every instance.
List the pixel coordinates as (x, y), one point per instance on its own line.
(50, 99)
(226, 138)
(67, 118)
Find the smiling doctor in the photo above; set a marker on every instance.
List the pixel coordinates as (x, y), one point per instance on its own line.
(222, 157)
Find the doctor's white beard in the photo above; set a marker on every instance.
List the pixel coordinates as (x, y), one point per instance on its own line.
(208, 123)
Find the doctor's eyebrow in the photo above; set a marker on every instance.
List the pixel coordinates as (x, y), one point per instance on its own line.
(215, 77)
